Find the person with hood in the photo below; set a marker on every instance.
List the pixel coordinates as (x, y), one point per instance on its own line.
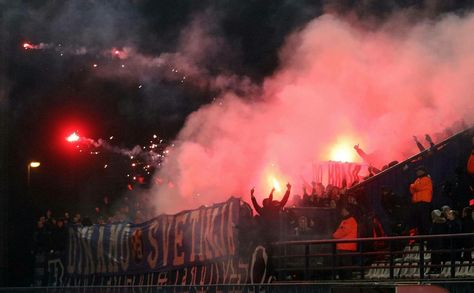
(348, 229)
(422, 195)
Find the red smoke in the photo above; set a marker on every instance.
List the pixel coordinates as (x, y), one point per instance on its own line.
(338, 85)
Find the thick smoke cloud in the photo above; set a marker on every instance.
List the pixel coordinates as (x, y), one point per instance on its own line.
(263, 114)
(338, 83)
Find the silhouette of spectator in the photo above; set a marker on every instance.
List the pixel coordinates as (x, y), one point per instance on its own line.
(297, 201)
(314, 193)
(369, 159)
(40, 247)
(454, 226)
(467, 223)
(269, 212)
(66, 218)
(50, 221)
(304, 227)
(59, 236)
(461, 190)
(445, 210)
(396, 208)
(269, 206)
(430, 141)
(418, 144)
(307, 198)
(438, 227)
(422, 194)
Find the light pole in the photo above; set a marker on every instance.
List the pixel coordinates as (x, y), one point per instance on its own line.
(33, 164)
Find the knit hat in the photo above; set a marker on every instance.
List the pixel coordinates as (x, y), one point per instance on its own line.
(436, 217)
(436, 213)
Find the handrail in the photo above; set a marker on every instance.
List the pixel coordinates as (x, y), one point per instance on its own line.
(393, 262)
(412, 158)
(328, 241)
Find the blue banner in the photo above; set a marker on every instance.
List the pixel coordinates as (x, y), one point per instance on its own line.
(168, 242)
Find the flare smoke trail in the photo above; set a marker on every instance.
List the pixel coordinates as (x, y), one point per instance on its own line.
(149, 156)
(340, 82)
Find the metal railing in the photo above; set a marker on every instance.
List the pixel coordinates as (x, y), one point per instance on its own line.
(405, 257)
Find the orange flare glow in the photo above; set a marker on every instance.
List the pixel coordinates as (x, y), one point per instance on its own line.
(342, 153)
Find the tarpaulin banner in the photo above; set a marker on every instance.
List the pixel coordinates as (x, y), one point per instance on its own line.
(169, 242)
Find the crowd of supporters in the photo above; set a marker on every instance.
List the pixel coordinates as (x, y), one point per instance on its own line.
(49, 235)
(416, 215)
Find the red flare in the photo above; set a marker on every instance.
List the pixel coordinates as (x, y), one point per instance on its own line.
(73, 137)
(27, 46)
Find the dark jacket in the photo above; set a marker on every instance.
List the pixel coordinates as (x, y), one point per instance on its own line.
(437, 229)
(270, 211)
(454, 227)
(59, 238)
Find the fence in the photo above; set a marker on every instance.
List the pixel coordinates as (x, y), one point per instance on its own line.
(404, 258)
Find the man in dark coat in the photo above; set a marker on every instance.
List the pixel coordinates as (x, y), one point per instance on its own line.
(438, 227)
(269, 212)
(454, 226)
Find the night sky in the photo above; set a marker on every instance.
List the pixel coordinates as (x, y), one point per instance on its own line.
(47, 92)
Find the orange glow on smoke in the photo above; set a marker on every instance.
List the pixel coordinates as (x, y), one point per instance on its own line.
(342, 151)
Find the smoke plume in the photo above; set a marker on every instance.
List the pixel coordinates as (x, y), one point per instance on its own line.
(339, 83)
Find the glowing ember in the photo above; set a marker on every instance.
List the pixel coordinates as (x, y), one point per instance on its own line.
(73, 137)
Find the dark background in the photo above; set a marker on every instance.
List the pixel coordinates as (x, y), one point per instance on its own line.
(43, 97)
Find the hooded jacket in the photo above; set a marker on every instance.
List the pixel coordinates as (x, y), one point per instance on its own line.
(422, 190)
(346, 230)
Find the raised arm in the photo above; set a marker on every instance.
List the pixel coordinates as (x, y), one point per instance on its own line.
(270, 196)
(286, 196)
(418, 144)
(362, 154)
(256, 206)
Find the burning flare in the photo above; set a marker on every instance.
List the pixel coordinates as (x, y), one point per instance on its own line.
(27, 46)
(73, 137)
(342, 151)
(275, 184)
